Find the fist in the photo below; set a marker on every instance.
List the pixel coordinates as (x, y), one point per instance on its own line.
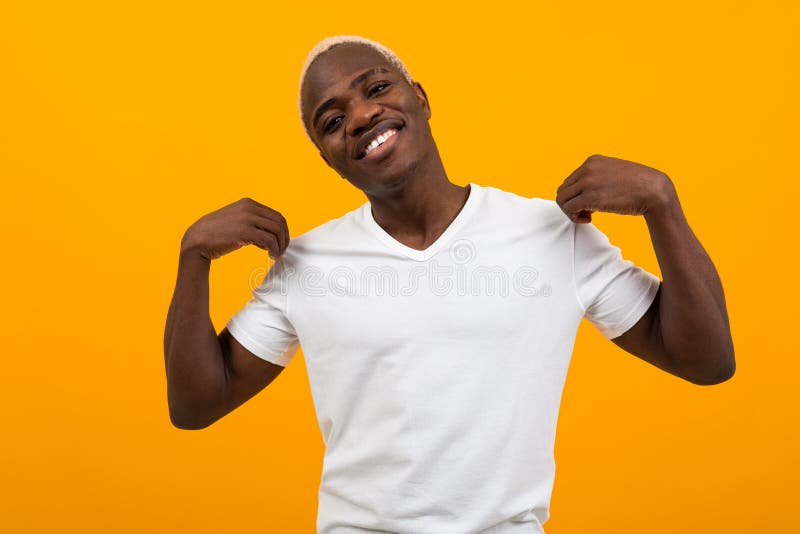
(244, 222)
(613, 185)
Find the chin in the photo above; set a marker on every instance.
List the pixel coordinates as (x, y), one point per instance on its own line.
(388, 183)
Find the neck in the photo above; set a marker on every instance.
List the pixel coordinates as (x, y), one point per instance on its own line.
(421, 209)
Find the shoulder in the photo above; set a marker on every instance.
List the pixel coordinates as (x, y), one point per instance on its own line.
(326, 238)
(541, 212)
(330, 229)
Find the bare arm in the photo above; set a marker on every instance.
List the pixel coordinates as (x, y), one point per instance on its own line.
(209, 375)
(686, 330)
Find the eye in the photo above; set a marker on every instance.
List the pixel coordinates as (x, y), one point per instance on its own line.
(332, 124)
(379, 87)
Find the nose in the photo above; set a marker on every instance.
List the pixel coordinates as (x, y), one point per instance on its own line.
(362, 115)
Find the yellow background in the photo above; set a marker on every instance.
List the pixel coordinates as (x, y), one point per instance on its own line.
(121, 123)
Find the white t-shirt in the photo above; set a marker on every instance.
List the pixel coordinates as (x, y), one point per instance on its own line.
(437, 375)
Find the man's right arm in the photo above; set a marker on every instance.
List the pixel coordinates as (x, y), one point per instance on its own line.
(209, 375)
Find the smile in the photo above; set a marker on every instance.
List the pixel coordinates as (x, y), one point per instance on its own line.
(378, 141)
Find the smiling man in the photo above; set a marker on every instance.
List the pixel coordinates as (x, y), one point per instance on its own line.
(437, 321)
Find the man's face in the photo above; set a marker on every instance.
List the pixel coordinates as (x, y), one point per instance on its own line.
(369, 124)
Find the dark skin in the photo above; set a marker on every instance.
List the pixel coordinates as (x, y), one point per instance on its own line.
(407, 186)
(685, 331)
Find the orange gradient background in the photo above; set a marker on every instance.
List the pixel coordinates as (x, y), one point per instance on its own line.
(121, 123)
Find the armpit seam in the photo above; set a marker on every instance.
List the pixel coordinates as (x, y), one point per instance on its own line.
(286, 288)
(574, 280)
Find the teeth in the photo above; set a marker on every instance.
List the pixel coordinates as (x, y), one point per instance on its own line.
(378, 141)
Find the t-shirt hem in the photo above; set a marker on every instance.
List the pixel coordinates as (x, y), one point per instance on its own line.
(636, 312)
(255, 347)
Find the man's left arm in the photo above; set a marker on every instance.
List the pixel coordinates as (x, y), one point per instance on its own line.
(686, 330)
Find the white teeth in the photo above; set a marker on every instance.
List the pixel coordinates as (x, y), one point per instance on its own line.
(378, 141)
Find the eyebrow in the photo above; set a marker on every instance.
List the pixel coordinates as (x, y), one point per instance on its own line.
(357, 80)
(364, 75)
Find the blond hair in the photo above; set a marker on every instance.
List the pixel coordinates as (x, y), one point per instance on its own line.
(337, 40)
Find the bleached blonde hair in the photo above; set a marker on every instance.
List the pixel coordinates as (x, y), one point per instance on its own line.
(337, 40)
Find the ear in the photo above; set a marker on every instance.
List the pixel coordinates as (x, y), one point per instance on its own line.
(423, 99)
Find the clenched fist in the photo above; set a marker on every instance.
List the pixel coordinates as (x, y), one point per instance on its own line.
(613, 185)
(241, 223)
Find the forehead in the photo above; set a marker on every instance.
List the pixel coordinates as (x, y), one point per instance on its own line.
(334, 68)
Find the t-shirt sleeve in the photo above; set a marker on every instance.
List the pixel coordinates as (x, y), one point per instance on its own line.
(262, 326)
(614, 292)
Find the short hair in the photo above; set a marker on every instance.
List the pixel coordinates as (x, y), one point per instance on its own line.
(338, 40)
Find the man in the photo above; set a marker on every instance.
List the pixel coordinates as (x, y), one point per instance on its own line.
(437, 321)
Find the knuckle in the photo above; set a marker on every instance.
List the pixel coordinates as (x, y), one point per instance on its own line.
(591, 160)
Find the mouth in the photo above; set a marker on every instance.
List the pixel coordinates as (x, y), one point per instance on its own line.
(378, 141)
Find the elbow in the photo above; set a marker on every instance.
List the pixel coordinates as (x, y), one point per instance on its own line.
(191, 411)
(189, 419)
(185, 423)
(721, 371)
(712, 379)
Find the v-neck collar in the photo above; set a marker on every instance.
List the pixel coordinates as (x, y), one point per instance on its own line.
(469, 207)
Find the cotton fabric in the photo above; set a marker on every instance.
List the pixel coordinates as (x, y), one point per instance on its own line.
(437, 375)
